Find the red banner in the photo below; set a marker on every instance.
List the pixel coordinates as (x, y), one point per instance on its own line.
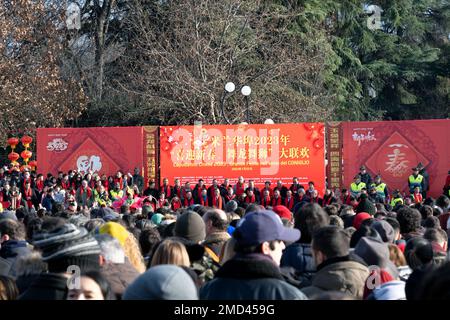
(257, 152)
(392, 148)
(334, 154)
(104, 150)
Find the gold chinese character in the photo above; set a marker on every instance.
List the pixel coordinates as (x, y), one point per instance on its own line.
(294, 153)
(211, 155)
(231, 154)
(262, 154)
(284, 153)
(285, 139)
(242, 154)
(215, 141)
(252, 154)
(304, 153)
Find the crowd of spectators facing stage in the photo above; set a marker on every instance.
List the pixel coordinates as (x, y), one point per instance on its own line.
(130, 241)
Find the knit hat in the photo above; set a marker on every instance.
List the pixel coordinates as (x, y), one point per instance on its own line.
(8, 215)
(375, 253)
(115, 230)
(157, 218)
(231, 206)
(283, 212)
(385, 230)
(191, 226)
(162, 282)
(68, 245)
(359, 218)
(78, 219)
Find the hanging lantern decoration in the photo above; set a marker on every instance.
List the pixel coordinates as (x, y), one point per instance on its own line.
(13, 142)
(13, 157)
(25, 166)
(26, 155)
(26, 141)
(33, 165)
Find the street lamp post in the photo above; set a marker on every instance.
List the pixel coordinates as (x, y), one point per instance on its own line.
(229, 88)
(246, 90)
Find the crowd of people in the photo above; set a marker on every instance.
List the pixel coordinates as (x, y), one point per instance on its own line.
(118, 238)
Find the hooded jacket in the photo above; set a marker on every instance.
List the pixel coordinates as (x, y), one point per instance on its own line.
(392, 290)
(249, 277)
(345, 274)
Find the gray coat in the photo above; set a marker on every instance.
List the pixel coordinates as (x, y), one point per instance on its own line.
(339, 274)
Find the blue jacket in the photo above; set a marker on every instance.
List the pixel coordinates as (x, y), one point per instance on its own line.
(299, 256)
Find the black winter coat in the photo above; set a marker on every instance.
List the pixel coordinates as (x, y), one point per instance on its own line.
(12, 250)
(248, 277)
(48, 286)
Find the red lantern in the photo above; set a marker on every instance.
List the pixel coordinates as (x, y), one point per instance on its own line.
(26, 155)
(33, 164)
(13, 157)
(13, 142)
(26, 140)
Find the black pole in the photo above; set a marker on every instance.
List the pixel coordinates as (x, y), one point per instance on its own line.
(248, 109)
(222, 108)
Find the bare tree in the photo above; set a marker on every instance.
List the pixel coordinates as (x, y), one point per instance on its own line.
(33, 91)
(182, 53)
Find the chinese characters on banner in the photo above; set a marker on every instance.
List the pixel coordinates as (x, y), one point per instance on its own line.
(393, 148)
(151, 143)
(103, 150)
(257, 152)
(334, 154)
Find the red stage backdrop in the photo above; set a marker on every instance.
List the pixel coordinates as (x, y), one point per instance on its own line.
(258, 152)
(392, 148)
(103, 150)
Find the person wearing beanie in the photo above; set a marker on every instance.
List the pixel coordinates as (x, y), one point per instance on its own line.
(359, 218)
(162, 282)
(337, 269)
(61, 247)
(191, 227)
(68, 245)
(253, 273)
(231, 206)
